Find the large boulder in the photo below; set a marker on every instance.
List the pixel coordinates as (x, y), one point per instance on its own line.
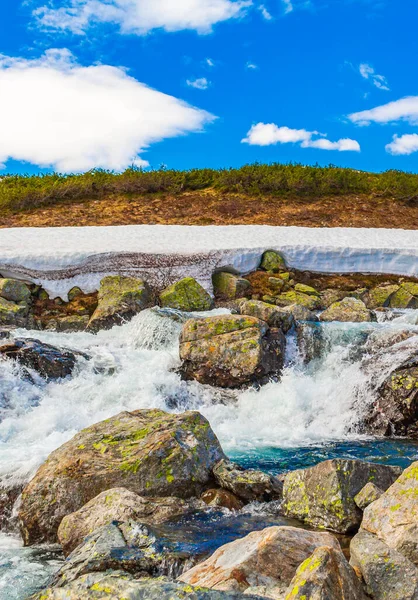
(120, 299)
(129, 546)
(149, 452)
(267, 558)
(323, 495)
(301, 313)
(273, 261)
(118, 504)
(186, 294)
(394, 516)
(395, 411)
(406, 296)
(48, 361)
(274, 316)
(14, 290)
(347, 310)
(248, 484)
(387, 573)
(230, 350)
(122, 585)
(227, 286)
(326, 575)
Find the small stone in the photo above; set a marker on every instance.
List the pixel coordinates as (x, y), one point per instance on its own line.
(301, 313)
(221, 498)
(248, 484)
(273, 315)
(227, 286)
(74, 293)
(370, 493)
(293, 297)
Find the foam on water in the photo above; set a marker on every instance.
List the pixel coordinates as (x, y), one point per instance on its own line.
(134, 366)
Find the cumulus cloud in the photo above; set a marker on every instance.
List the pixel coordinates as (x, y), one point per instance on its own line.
(404, 144)
(288, 6)
(268, 134)
(57, 113)
(379, 81)
(405, 109)
(140, 16)
(200, 84)
(265, 13)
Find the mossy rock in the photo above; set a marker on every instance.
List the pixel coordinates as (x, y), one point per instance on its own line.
(370, 493)
(149, 452)
(294, 297)
(273, 261)
(14, 291)
(12, 313)
(325, 575)
(404, 298)
(323, 495)
(306, 289)
(227, 286)
(186, 294)
(230, 350)
(380, 295)
(74, 293)
(347, 310)
(120, 299)
(273, 315)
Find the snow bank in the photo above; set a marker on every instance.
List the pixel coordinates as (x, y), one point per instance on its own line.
(59, 258)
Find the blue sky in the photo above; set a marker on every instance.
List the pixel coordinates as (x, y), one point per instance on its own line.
(208, 83)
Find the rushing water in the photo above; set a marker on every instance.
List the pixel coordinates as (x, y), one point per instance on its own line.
(311, 414)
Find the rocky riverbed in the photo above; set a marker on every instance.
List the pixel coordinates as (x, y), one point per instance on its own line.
(121, 410)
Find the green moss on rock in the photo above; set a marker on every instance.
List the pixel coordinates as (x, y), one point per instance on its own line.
(186, 294)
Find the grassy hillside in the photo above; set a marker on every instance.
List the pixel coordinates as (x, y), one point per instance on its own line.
(253, 193)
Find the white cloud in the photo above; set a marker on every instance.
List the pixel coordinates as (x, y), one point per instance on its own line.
(57, 113)
(141, 16)
(265, 13)
(200, 84)
(405, 109)
(251, 66)
(379, 81)
(405, 144)
(288, 6)
(267, 134)
(209, 62)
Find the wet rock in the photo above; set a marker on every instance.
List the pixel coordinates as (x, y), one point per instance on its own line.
(221, 498)
(263, 558)
(370, 493)
(8, 497)
(148, 452)
(130, 546)
(227, 286)
(380, 295)
(293, 297)
(394, 516)
(230, 350)
(301, 313)
(14, 291)
(326, 575)
(387, 573)
(309, 340)
(272, 261)
(14, 314)
(48, 361)
(381, 339)
(248, 484)
(272, 315)
(120, 299)
(186, 294)
(323, 495)
(395, 412)
(119, 584)
(347, 310)
(121, 505)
